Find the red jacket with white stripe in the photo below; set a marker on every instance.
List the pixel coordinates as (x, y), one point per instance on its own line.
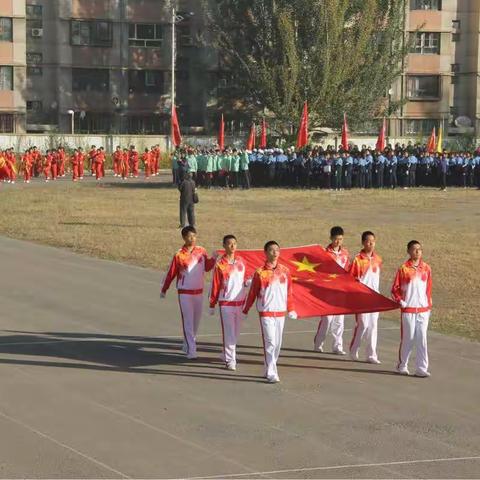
(189, 269)
(412, 287)
(366, 268)
(228, 283)
(342, 257)
(272, 289)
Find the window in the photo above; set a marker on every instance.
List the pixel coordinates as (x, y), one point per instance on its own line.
(426, 43)
(184, 38)
(456, 24)
(97, 33)
(423, 87)
(90, 80)
(425, 4)
(7, 123)
(6, 29)
(34, 11)
(455, 37)
(454, 80)
(145, 35)
(6, 78)
(145, 81)
(34, 58)
(422, 126)
(455, 67)
(34, 71)
(34, 106)
(147, 124)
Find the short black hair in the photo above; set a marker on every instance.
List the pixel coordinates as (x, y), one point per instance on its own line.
(269, 244)
(226, 238)
(188, 229)
(367, 234)
(336, 231)
(411, 243)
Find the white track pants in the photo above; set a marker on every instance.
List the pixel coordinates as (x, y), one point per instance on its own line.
(191, 310)
(365, 329)
(231, 319)
(334, 323)
(272, 332)
(414, 332)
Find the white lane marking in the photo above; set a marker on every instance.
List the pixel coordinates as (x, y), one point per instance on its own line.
(340, 467)
(169, 337)
(61, 444)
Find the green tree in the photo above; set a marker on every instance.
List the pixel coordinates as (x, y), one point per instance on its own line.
(340, 55)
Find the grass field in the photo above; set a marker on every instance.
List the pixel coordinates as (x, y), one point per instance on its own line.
(137, 224)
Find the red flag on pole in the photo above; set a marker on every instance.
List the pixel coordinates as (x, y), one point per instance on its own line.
(432, 142)
(221, 134)
(302, 138)
(320, 286)
(345, 133)
(382, 142)
(263, 136)
(176, 136)
(251, 138)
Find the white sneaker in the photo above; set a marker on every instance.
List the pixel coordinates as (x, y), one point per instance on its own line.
(375, 361)
(192, 356)
(422, 374)
(354, 356)
(403, 371)
(231, 366)
(318, 349)
(273, 379)
(339, 352)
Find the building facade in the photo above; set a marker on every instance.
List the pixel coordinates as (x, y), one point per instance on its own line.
(440, 81)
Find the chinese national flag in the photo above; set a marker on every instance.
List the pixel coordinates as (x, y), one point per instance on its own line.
(302, 138)
(345, 133)
(263, 136)
(221, 134)
(251, 138)
(176, 136)
(432, 142)
(320, 286)
(381, 142)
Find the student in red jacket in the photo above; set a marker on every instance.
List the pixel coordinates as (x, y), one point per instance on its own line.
(412, 289)
(188, 267)
(228, 291)
(271, 289)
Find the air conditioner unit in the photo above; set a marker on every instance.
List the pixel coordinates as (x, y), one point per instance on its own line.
(37, 32)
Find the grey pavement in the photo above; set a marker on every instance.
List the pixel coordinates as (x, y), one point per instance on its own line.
(93, 385)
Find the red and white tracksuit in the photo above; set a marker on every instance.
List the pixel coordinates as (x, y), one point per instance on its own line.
(272, 289)
(228, 290)
(366, 269)
(117, 162)
(412, 288)
(334, 323)
(189, 268)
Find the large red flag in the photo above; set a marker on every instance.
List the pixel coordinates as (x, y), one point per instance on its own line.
(302, 139)
(251, 138)
(263, 136)
(382, 140)
(221, 134)
(345, 133)
(320, 286)
(176, 136)
(432, 142)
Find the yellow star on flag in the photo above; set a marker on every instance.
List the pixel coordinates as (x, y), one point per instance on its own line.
(305, 265)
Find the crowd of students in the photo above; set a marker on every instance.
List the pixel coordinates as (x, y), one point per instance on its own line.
(271, 290)
(56, 163)
(317, 167)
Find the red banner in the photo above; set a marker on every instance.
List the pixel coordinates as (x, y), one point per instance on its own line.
(251, 139)
(382, 137)
(302, 138)
(263, 136)
(320, 285)
(176, 136)
(345, 133)
(221, 135)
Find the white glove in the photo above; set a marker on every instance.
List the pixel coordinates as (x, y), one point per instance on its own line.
(248, 282)
(403, 303)
(162, 294)
(211, 311)
(292, 315)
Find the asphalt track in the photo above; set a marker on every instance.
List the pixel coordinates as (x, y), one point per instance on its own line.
(93, 385)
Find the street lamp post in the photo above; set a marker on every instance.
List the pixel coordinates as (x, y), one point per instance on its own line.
(72, 121)
(174, 53)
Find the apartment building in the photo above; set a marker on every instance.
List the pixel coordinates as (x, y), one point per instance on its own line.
(440, 80)
(104, 66)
